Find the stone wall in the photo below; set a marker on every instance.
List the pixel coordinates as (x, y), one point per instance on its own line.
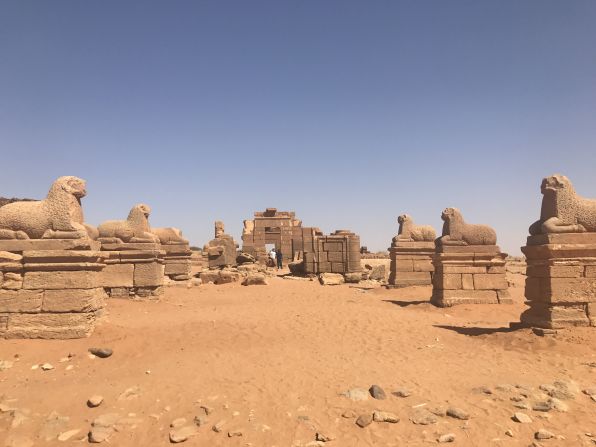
(338, 252)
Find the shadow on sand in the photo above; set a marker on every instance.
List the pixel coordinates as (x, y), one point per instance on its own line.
(475, 331)
(407, 303)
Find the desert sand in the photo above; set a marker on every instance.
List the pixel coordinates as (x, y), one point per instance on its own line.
(273, 361)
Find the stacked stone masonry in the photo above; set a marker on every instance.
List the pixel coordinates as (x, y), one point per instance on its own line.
(411, 264)
(50, 288)
(278, 228)
(560, 280)
(561, 259)
(133, 270)
(473, 274)
(338, 252)
(411, 254)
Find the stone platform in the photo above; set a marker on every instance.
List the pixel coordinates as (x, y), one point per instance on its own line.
(50, 288)
(133, 270)
(470, 274)
(411, 264)
(177, 262)
(561, 280)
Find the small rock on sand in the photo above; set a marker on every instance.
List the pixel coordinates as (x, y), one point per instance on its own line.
(385, 416)
(364, 420)
(522, 418)
(450, 437)
(181, 434)
(94, 401)
(543, 434)
(377, 392)
(458, 413)
(102, 353)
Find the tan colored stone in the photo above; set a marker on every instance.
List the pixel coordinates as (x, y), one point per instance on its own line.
(117, 275)
(20, 300)
(62, 256)
(61, 280)
(58, 216)
(467, 281)
(490, 282)
(563, 211)
(74, 300)
(8, 257)
(49, 325)
(12, 281)
(408, 231)
(148, 274)
(457, 232)
(445, 298)
(134, 229)
(448, 281)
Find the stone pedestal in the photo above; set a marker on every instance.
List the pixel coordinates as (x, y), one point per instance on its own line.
(177, 261)
(411, 264)
(50, 288)
(133, 270)
(561, 280)
(470, 274)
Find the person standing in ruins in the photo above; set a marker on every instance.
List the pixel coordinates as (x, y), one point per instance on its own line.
(272, 257)
(279, 260)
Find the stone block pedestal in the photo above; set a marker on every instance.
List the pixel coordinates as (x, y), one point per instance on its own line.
(177, 263)
(411, 264)
(133, 270)
(470, 274)
(561, 280)
(50, 288)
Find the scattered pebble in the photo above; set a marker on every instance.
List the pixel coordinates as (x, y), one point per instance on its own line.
(364, 420)
(356, 394)
(450, 437)
(65, 436)
(234, 433)
(402, 392)
(94, 401)
(543, 434)
(423, 417)
(384, 416)
(181, 434)
(522, 418)
(377, 392)
(324, 437)
(47, 367)
(178, 423)
(102, 353)
(457, 413)
(218, 427)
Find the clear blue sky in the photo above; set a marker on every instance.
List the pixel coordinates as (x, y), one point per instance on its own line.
(348, 112)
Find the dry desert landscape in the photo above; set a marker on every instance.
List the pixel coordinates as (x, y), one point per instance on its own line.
(291, 364)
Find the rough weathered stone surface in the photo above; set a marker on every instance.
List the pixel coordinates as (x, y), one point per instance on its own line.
(331, 279)
(58, 216)
(74, 300)
(255, 279)
(409, 232)
(457, 232)
(134, 229)
(561, 260)
(472, 274)
(221, 251)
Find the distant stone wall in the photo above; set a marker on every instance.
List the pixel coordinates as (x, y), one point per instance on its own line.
(338, 252)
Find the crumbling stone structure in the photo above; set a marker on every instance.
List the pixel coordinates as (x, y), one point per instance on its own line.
(561, 259)
(221, 251)
(50, 268)
(338, 252)
(134, 258)
(411, 253)
(280, 228)
(469, 266)
(177, 260)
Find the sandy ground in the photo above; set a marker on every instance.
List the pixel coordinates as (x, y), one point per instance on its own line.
(272, 362)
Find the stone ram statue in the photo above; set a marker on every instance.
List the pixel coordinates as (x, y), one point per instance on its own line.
(458, 232)
(408, 231)
(134, 229)
(58, 216)
(169, 235)
(563, 211)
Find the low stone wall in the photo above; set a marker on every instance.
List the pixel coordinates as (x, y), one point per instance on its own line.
(50, 288)
(336, 253)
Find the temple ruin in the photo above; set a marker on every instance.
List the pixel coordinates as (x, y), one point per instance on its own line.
(561, 259)
(221, 251)
(469, 266)
(411, 253)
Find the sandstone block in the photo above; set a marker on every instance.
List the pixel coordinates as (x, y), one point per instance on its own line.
(148, 274)
(61, 280)
(446, 298)
(74, 300)
(448, 281)
(49, 325)
(467, 281)
(117, 275)
(20, 300)
(490, 282)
